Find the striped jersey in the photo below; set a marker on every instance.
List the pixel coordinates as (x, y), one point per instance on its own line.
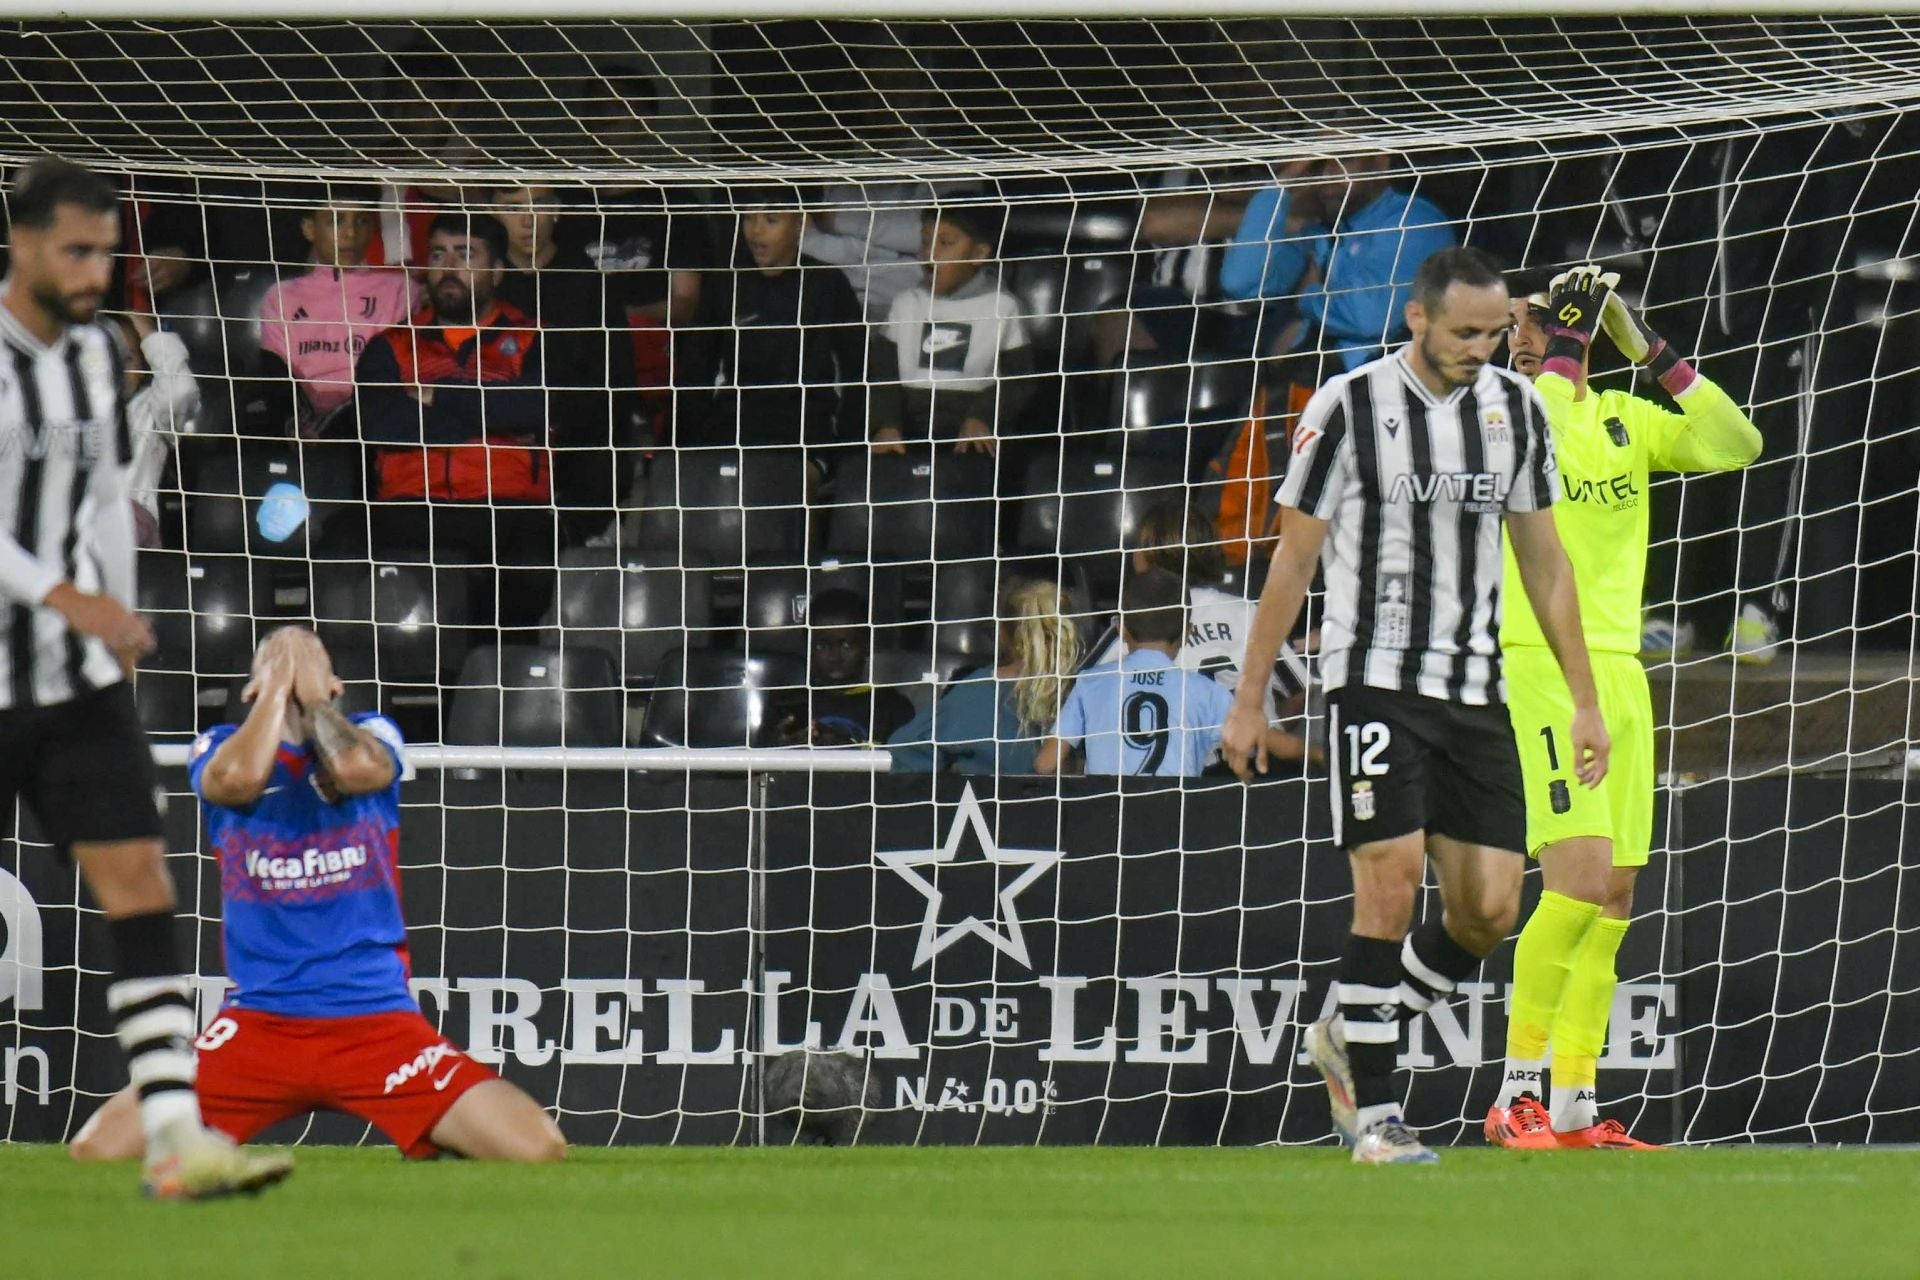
(64, 511)
(1414, 488)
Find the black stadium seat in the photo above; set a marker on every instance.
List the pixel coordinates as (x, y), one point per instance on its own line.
(635, 611)
(717, 697)
(919, 674)
(395, 620)
(923, 505)
(727, 505)
(534, 696)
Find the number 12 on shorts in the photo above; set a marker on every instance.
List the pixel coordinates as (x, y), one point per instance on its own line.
(1557, 794)
(1366, 743)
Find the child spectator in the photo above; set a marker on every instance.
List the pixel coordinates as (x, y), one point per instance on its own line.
(838, 708)
(779, 354)
(991, 720)
(1178, 539)
(314, 326)
(953, 362)
(1146, 716)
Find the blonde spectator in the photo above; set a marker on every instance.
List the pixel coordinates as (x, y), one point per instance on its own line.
(993, 720)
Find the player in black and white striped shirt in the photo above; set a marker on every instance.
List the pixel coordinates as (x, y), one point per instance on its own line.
(71, 744)
(1401, 474)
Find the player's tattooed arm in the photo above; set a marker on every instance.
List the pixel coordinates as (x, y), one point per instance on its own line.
(356, 762)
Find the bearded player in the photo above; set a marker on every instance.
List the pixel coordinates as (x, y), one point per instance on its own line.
(1590, 844)
(303, 811)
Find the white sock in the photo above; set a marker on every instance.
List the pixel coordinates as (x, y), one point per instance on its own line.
(1574, 1109)
(1366, 1118)
(1524, 1075)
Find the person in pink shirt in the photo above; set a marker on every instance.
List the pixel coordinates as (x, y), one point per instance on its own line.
(313, 326)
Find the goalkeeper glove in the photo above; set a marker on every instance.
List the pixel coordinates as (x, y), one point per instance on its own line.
(1574, 302)
(1640, 344)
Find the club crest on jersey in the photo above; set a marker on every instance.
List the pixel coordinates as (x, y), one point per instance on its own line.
(1493, 425)
(1617, 432)
(1362, 794)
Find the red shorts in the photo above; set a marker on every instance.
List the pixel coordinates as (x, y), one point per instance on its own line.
(392, 1070)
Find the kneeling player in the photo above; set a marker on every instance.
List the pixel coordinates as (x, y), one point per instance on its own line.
(303, 811)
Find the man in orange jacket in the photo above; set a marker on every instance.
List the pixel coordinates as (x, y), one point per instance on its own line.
(456, 404)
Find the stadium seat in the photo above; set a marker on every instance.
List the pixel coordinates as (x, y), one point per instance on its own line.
(216, 515)
(715, 697)
(1184, 411)
(727, 505)
(919, 674)
(1038, 226)
(167, 605)
(635, 611)
(228, 602)
(776, 598)
(1059, 296)
(924, 505)
(393, 620)
(535, 696)
(1087, 503)
(167, 704)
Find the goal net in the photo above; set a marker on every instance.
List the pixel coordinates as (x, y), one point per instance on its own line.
(813, 346)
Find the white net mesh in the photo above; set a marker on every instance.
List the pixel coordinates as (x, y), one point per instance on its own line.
(690, 534)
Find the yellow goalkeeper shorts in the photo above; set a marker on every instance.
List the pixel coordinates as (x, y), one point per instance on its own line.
(1558, 807)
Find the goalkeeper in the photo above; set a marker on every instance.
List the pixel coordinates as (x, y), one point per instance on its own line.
(1591, 844)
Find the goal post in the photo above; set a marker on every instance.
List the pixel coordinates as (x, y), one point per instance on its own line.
(620, 891)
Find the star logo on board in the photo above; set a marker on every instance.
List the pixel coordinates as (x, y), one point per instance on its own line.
(1004, 933)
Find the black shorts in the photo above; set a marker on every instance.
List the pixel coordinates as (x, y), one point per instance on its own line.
(83, 767)
(1403, 762)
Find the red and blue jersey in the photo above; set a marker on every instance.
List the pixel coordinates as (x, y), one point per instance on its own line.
(310, 891)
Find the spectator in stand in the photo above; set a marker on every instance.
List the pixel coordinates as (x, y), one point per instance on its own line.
(1147, 715)
(1175, 305)
(779, 355)
(660, 253)
(1176, 538)
(314, 326)
(838, 708)
(662, 246)
(1336, 245)
(157, 413)
(167, 253)
(992, 721)
(423, 98)
(456, 402)
(953, 363)
(875, 233)
(582, 314)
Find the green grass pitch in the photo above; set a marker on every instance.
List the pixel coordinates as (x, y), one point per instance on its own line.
(1748, 1212)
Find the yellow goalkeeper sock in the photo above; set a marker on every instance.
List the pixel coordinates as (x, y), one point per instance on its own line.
(1580, 1029)
(1542, 961)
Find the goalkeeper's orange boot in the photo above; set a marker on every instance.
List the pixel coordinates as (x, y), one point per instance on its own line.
(1523, 1126)
(1608, 1135)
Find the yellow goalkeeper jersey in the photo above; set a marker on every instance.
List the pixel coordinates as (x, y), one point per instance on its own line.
(1607, 444)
